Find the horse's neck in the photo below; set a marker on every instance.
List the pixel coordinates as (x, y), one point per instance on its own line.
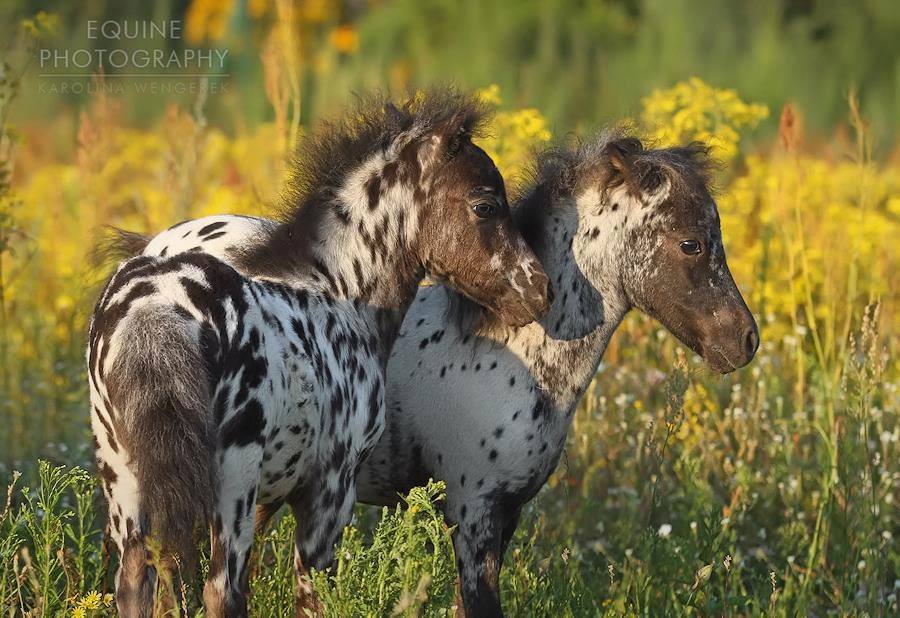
(565, 348)
(563, 369)
(363, 253)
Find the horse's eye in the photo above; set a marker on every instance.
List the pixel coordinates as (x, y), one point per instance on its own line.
(483, 210)
(690, 247)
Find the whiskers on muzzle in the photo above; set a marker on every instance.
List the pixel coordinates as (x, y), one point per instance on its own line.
(528, 297)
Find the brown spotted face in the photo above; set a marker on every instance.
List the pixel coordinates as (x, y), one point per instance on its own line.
(467, 238)
(679, 274)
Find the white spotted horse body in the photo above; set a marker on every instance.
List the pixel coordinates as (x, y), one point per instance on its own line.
(485, 407)
(216, 386)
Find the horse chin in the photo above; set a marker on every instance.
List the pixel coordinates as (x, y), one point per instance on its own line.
(712, 354)
(516, 310)
(720, 365)
(516, 316)
(716, 360)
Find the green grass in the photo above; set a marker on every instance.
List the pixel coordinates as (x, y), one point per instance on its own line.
(681, 493)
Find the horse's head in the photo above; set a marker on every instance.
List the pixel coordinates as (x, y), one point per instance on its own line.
(674, 266)
(466, 235)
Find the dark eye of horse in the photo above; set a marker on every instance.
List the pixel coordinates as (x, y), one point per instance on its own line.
(690, 247)
(483, 210)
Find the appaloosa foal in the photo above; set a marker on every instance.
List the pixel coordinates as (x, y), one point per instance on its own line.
(213, 390)
(485, 407)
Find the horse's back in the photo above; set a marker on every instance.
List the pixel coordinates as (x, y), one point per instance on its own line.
(216, 235)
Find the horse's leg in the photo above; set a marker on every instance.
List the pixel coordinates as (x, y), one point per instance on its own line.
(479, 546)
(136, 577)
(305, 599)
(264, 514)
(302, 502)
(510, 524)
(322, 510)
(145, 583)
(135, 580)
(226, 590)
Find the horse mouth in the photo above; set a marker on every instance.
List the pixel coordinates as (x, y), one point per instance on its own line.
(518, 313)
(518, 308)
(720, 360)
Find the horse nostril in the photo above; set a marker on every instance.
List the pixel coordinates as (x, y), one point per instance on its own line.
(751, 342)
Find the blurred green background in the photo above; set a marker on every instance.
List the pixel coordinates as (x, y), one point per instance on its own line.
(583, 63)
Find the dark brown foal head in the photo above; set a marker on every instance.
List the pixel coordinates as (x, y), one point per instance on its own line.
(466, 236)
(676, 269)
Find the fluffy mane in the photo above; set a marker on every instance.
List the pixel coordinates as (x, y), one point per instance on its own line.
(323, 159)
(564, 171)
(561, 172)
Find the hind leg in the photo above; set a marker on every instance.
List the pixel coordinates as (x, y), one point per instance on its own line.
(302, 503)
(226, 590)
(136, 577)
(145, 580)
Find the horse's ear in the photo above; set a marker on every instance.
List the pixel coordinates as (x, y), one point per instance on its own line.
(455, 131)
(394, 117)
(620, 161)
(455, 141)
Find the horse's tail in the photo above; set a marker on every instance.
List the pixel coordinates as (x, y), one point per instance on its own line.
(118, 245)
(159, 387)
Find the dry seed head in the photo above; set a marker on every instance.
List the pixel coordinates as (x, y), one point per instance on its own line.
(702, 575)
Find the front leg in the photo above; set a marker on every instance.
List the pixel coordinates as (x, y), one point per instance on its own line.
(322, 509)
(478, 543)
(227, 588)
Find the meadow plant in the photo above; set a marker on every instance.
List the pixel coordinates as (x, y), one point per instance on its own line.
(694, 110)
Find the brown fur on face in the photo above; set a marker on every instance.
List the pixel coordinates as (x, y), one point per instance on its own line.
(485, 259)
(691, 294)
(485, 254)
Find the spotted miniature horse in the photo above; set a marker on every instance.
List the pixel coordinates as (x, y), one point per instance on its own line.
(487, 408)
(215, 388)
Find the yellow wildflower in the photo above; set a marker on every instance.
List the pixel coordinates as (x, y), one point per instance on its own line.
(208, 19)
(43, 24)
(91, 600)
(490, 94)
(513, 134)
(345, 39)
(694, 110)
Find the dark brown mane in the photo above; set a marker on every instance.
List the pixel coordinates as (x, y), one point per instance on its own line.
(337, 146)
(564, 171)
